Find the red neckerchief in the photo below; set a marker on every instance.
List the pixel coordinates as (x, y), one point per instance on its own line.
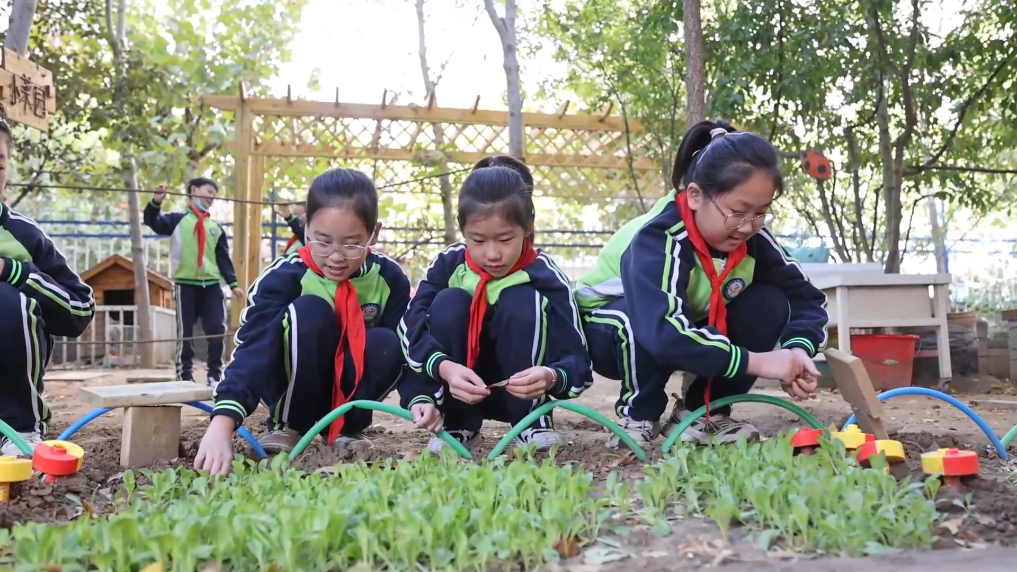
(479, 305)
(352, 332)
(199, 229)
(293, 239)
(718, 311)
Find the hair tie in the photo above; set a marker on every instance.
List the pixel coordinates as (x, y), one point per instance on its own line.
(717, 132)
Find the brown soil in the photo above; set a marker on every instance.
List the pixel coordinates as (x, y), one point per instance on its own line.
(983, 514)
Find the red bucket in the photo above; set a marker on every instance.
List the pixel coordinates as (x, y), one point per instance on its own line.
(889, 359)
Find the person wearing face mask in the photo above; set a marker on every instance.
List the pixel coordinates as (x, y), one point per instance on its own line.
(200, 261)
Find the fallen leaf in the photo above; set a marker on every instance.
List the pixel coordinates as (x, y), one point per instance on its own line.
(951, 526)
(985, 520)
(602, 554)
(567, 547)
(973, 539)
(154, 567)
(625, 459)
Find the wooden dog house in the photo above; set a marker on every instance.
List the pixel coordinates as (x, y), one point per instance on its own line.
(109, 339)
(112, 281)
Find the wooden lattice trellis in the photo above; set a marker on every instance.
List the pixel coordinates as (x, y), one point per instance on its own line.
(572, 155)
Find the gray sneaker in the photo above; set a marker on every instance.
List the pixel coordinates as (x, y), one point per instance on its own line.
(721, 430)
(540, 438)
(11, 450)
(279, 441)
(644, 432)
(353, 442)
(469, 439)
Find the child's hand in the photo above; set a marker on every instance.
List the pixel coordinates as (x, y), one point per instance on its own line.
(802, 388)
(238, 293)
(531, 383)
(808, 367)
(463, 383)
(215, 453)
(427, 416)
(159, 194)
(284, 211)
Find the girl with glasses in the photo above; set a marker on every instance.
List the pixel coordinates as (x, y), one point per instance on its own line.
(493, 330)
(320, 329)
(699, 285)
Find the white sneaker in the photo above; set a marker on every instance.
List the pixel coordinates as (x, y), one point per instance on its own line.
(540, 438)
(11, 450)
(469, 439)
(644, 432)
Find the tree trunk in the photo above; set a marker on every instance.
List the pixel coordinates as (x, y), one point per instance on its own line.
(20, 27)
(695, 63)
(506, 28)
(118, 42)
(141, 294)
(891, 192)
(938, 237)
(439, 132)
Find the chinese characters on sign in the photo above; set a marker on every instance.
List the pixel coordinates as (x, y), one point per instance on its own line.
(26, 91)
(31, 97)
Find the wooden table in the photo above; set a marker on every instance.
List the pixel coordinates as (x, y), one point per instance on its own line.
(878, 300)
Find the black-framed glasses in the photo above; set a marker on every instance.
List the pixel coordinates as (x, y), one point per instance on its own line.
(734, 221)
(348, 251)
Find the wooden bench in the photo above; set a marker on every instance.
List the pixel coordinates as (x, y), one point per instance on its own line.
(151, 416)
(875, 300)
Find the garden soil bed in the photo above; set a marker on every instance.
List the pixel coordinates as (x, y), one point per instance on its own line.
(981, 519)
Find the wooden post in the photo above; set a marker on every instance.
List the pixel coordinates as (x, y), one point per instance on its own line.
(150, 434)
(241, 214)
(256, 184)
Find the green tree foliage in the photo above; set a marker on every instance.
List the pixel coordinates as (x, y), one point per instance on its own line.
(177, 53)
(892, 97)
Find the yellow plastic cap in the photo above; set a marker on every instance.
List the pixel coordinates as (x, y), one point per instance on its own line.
(15, 470)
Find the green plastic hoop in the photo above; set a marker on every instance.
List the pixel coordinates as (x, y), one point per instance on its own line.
(13, 437)
(748, 398)
(575, 408)
(376, 406)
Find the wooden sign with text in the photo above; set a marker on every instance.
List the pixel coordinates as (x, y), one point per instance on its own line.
(26, 91)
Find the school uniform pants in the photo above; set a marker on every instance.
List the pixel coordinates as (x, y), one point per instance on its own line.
(310, 338)
(755, 320)
(23, 360)
(207, 303)
(512, 340)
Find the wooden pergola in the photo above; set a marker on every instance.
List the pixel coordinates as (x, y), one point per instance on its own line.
(571, 154)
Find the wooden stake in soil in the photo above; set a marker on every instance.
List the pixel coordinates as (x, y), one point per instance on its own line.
(150, 434)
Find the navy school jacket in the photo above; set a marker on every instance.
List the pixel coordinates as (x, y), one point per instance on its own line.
(37, 268)
(181, 228)
(449, 270)
(651, 263)
(257, 371)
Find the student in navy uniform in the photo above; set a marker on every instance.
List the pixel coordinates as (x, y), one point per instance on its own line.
(295, 219)
(200, 256)
(699, 285)
(492, 310)
(320, 329)
(40, 297)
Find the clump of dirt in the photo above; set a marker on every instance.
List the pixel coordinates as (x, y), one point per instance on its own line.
(984, 509)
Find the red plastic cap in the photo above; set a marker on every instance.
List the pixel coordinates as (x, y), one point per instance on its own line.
(55, 461)
(958, 463)
(893, 449)
(806, 438)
